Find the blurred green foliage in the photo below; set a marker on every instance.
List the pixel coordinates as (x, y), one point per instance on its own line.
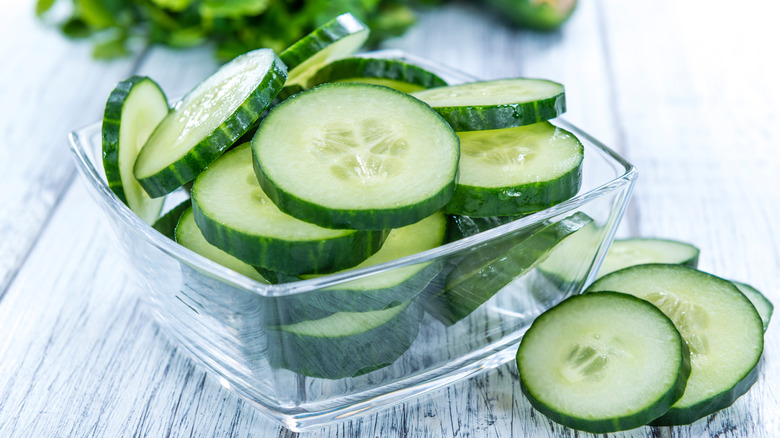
(234, 26)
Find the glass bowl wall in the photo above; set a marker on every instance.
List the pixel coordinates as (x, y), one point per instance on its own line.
(312, 352)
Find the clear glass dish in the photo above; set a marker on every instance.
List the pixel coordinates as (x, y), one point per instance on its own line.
(403, 340)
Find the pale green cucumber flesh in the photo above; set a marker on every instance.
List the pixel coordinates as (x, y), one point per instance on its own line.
(391, 73)
(603, 363)
(497, 104)
(723, 331)
(335, 39)
(383, 160)
(345, 344)
(189, 236)
(235, 215)
(516, 170)
(565, 266)
(478, 276)
(208, 121)
(760, 302)
(134, 108)
(638, 251)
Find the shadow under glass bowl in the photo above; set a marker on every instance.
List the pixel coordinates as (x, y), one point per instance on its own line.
(464, 309)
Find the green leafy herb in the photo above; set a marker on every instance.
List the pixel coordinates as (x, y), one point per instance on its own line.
(233, 26)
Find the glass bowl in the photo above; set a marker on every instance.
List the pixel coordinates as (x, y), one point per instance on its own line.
(312, 352)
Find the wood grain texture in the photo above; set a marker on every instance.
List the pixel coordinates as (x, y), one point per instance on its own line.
(692, 106)
(43, 79)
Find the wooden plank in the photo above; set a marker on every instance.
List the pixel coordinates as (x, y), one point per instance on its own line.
(697, 104)
(86, 360)
(43, 81)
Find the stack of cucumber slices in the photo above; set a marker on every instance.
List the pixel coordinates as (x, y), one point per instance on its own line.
(652, 341)
(316, 161)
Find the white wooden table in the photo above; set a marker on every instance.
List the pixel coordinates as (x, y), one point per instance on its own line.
(686, 90)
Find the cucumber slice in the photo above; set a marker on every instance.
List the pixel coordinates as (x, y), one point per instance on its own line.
(603, 363)
(375, 292)
(760, 302)
(721, 327)
(479, 276)
(391, 73)
(166, 225)
(236, 216)
(345, 344)
(565, 267)
(339, 37)
(516, 171)
(496, 104)
(189, 236)
(367, 158)
(137, 104)
(639, 251)
(209, 120)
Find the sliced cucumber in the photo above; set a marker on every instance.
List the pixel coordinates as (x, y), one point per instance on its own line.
(638, 251)
(760, 302)
(345, 344)
(189, 236)
(287, 91)
(603, 363)
(134, 108)
(391, 73)
(478, 277)
(377, 291)
(208, 121)
(366, 158)
(516, 171)
(496, 104)
(337, 38)
(236, 216)
(721, 327)
(166, 225)
(567, 266)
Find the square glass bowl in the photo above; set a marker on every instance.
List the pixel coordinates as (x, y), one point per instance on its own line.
(317, 351)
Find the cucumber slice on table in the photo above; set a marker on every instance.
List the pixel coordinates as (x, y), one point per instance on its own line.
(478, 277)
(345, 344)
(377, 291)
(760, 302)
(721, 327)
(516, 171)
(496, 104)
(339, 37)
(603, 363)
(382, 160)
(189, 236)
(208, 121)
(638, 251)
(134, 108)
(236, 216)
(391, 73)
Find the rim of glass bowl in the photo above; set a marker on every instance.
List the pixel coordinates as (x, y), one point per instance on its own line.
(182, 254)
